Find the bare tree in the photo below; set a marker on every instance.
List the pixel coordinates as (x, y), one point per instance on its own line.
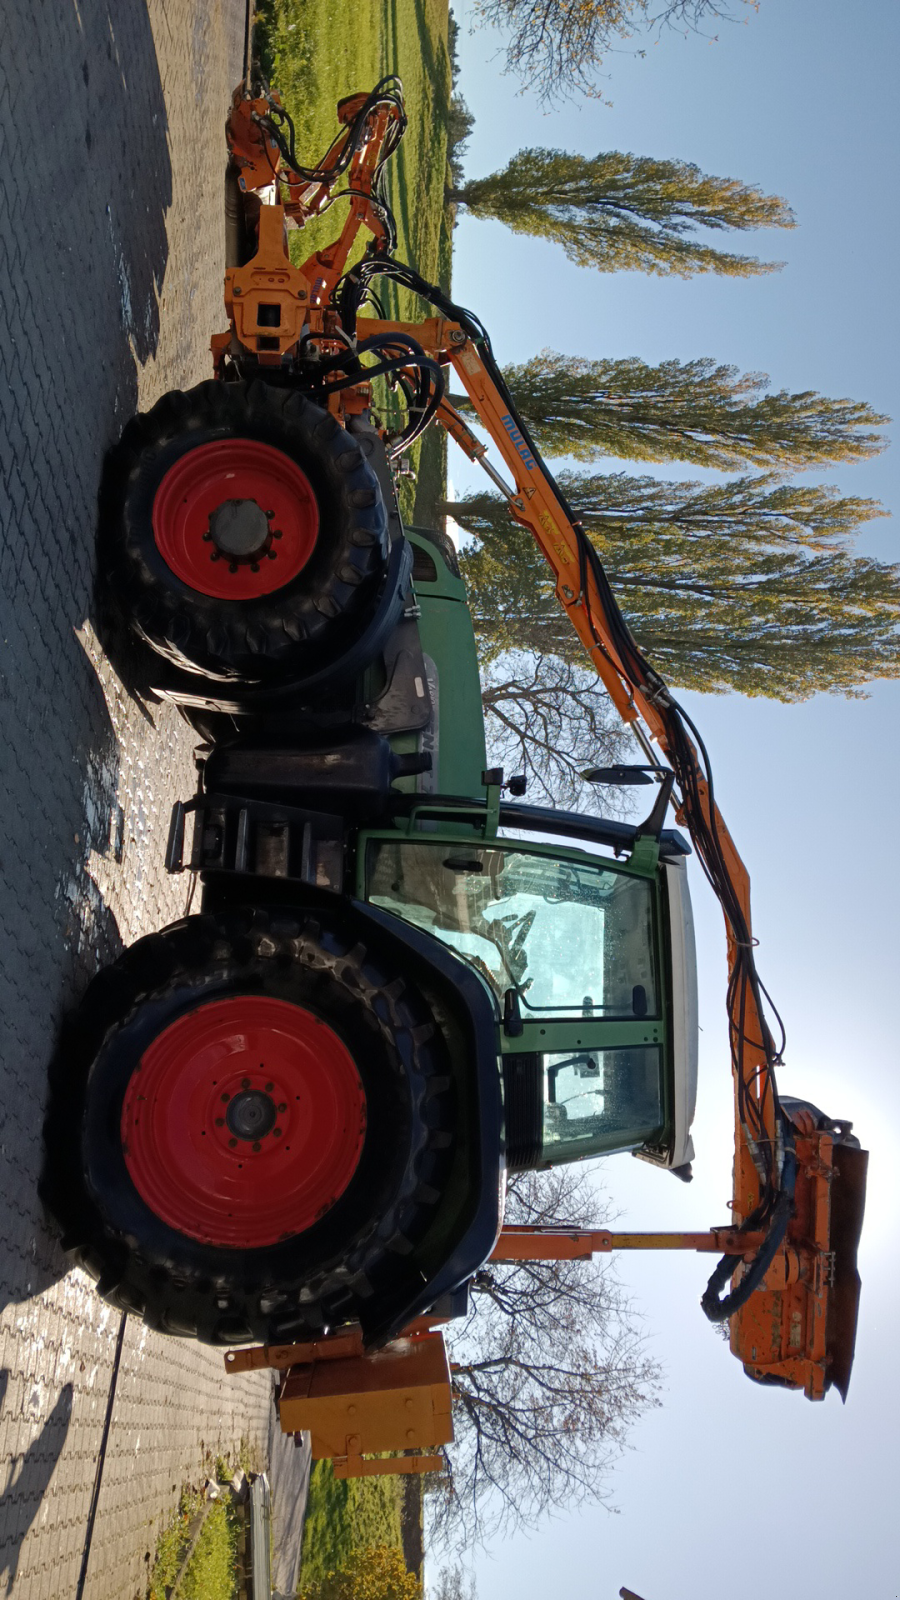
(549, 719)
(548, 1375)
(453, 1583)
(558, 47)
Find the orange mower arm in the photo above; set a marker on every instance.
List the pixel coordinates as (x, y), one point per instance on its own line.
(797, 1194)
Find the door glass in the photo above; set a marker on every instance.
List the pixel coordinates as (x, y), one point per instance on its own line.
(573, 939)
(596, 1100)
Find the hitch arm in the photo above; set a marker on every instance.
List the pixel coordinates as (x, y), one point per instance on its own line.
(577, 1244)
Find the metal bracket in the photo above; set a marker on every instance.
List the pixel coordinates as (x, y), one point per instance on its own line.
(240, 836)
(175, 844)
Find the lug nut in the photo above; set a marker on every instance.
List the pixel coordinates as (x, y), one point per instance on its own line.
(232, 1143)
(282, 1107)
(220, 1122)
(226, 1098)
(269, 1088)
(245, 1083)
(256, 1145)
(276, 1133)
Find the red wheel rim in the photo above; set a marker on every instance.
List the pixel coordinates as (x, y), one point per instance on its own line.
(197, 512)
(243, 1122)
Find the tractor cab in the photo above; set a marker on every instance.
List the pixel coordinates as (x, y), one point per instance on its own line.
(590, 964)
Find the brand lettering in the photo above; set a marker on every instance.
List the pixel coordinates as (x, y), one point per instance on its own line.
(519, 442)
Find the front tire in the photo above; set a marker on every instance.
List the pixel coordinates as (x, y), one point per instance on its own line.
(249, 1246)
(242, 532)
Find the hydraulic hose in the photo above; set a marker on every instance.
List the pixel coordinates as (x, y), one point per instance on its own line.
(720, 1309)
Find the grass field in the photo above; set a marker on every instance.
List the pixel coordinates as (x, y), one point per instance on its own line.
(320, 51)
(347, 1515)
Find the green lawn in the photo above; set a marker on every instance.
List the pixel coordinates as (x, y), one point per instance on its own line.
(320, 51)
(346, 1515)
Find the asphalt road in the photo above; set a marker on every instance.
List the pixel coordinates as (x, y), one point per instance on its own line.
(111, 250)
(289, 1467)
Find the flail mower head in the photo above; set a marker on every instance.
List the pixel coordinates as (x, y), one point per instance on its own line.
(798, 1329)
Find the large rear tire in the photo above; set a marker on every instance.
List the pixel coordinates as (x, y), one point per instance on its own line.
(242, 532)
(163, 1164)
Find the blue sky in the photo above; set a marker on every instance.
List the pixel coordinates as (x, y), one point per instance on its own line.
(729, 1489)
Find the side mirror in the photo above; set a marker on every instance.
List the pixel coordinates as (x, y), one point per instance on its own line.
(620, 776)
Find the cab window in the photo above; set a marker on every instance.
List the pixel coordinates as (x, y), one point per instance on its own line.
(572, 938)
(601, 1100)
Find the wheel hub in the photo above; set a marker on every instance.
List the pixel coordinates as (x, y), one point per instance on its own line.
(235, 519)
(251, 1114)
(243, 1122)
(239, 529)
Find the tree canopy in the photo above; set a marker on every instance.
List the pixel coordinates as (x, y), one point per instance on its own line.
(699, 411)
(559, 46)
(376, 1573)
(460, 120)
(616, 211)
(749, 584)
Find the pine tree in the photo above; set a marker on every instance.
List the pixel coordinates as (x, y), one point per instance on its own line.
(747, 585)
(616, 211)
(698, 411)
(460, 120)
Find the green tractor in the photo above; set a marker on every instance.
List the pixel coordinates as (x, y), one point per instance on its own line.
(296, 1108)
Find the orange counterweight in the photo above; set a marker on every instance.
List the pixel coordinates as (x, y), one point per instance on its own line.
(358, 1405)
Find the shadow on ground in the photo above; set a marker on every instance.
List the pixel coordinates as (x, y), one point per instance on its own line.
(27, 1479)
(86, 183)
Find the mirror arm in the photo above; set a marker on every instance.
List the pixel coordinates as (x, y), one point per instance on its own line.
(653, 826)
